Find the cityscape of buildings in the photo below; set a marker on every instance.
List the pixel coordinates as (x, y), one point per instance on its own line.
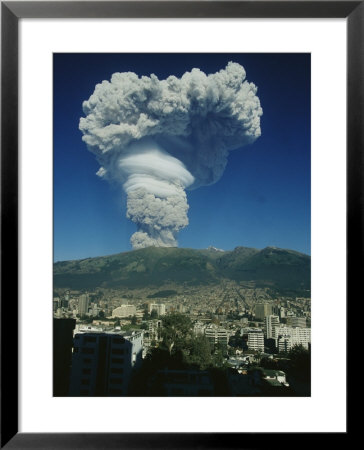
(103, 337)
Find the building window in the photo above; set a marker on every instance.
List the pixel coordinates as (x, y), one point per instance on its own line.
(88, 351)
(84, 392)
(89, 339)
(86, 371)
(116, 370)
(116, 381)
(87, 361)
(117, 360)
(85, 381)
(117, 351)
(116, 392)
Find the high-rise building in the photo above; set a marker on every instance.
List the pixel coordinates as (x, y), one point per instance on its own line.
(102, 362)
(181, 308)
(287, 337)
(284, 343)
(271, 322)
(282, 312)
(83, 303)
(154, 329)
(199, 329)
(262, 310)
(160, 308)
(62, 355)
(216, 335)
(256, 340)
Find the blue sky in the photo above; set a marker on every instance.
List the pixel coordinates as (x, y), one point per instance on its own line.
(263, 197)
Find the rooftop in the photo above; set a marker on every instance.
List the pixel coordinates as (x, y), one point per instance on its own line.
(115, 331)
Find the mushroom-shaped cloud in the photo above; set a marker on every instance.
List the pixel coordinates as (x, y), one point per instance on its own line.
(160, 137)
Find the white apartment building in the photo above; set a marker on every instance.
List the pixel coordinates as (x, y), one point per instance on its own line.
(160, 308)
(216, 335)
(199, 329)
(287, 337)
(284, 343)
(154, 329)
(102, 362)
(270, 323)
(256, 340)
(124, 311)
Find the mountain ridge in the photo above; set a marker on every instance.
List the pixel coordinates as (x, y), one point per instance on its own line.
(280, 269)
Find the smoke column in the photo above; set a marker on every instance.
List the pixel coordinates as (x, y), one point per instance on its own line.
(159, 137)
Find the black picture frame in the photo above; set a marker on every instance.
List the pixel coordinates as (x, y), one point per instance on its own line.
(11, 12)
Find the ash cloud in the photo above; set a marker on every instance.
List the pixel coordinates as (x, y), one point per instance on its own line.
(159, 137)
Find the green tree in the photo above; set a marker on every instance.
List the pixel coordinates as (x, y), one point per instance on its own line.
(218, 358)
(87, 319)
(200, 352)
(268, 363)
(215, 321)
(154, 314)
(134, 320)
(300, 363)
(176, 330)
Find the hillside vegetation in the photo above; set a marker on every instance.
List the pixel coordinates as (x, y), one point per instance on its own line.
(155, 266)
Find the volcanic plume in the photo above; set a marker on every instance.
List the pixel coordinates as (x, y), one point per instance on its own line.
(158, 138)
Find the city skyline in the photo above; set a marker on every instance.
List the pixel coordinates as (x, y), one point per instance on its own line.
(262, 198)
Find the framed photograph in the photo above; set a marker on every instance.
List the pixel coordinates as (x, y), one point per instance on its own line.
(169, 170)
